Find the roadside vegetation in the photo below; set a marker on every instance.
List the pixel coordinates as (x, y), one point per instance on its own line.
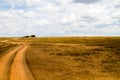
(74, 58)
(5, 47)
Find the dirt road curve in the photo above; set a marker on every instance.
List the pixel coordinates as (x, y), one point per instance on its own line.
(13, 65)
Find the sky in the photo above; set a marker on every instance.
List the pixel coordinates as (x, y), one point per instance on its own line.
(59, 18)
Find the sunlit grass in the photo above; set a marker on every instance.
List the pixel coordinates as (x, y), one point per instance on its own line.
(71, 58)
(86, 58)
(4, 47)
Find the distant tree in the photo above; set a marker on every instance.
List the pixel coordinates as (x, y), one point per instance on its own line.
(32, 36)
(25, 36)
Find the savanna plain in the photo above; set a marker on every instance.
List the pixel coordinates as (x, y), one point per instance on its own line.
(60, 58)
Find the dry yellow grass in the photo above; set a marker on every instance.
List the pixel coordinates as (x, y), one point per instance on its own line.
(75, 58)
(5, 47)
(72, 58)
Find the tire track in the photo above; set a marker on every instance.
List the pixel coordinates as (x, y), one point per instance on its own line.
(5, 63)
(19, 69)
(13, 65)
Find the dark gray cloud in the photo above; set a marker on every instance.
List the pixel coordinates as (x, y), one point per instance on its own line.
(86, 1)
(117, 6)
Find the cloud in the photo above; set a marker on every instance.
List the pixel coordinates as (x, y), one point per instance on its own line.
(59, 17)
(86, 1)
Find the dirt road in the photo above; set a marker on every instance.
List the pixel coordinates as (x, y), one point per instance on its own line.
(13, 65)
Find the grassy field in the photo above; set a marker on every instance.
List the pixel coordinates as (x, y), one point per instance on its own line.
(72, 58)
(5, 47)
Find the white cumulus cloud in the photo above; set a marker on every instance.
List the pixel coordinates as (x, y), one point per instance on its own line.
(59, 17)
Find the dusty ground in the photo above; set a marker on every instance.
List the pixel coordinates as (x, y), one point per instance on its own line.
(87, 58)
(13, 65)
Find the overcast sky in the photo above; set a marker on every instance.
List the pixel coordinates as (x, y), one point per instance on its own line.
(60, 17)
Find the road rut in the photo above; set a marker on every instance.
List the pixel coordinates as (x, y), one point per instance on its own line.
(13, 65)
